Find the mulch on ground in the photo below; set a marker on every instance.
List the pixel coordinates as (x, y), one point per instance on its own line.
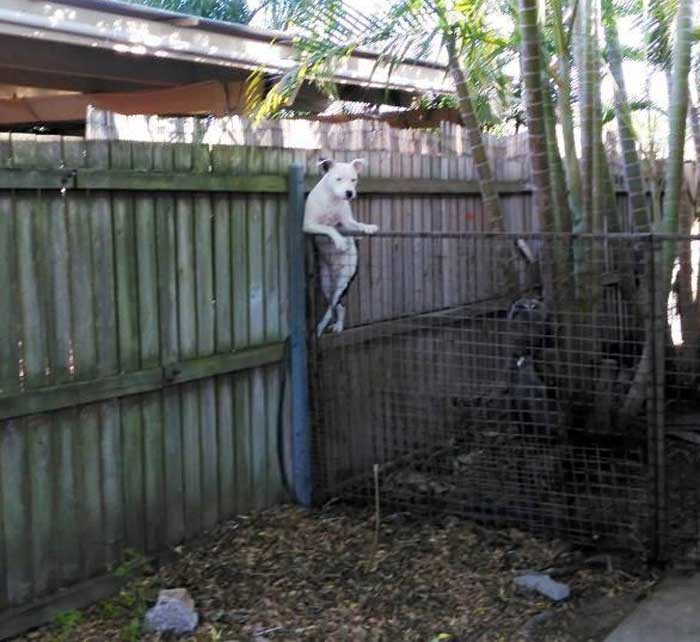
(292, 574)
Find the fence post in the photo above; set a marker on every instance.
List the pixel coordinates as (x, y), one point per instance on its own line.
(301, 431)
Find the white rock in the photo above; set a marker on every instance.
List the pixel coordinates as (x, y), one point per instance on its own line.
(542, 583)
(174, 612)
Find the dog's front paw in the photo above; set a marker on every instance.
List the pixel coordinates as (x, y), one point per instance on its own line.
(371, 229)
(337, 327)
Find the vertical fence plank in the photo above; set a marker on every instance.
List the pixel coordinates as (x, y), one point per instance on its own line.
(94, 460)
(169, 347)
(272, 333)
(67, 438)
(224, 343)
(241, 338)
(204, 275)
(386, 224)
(34, 432)
(127, 279)
(299, 389)
(9, 354)
(256, 272)
(222, 160)
(16, 511)
(38, 427)
(187, 316)
(146, 254)
(105, 468)
(5, 150)
(55, 279)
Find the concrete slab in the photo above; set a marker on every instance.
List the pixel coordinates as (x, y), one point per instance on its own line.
(670, 614)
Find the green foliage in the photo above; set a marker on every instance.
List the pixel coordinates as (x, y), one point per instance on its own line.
(133, 562)
(65, 624)
(657, 21)
(128, 609)
(236, 11)
(132, 631)
(330, 31)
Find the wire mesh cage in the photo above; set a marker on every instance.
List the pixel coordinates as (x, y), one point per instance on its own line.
(524, 393)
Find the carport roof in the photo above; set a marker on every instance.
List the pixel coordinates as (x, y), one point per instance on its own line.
(101, 45)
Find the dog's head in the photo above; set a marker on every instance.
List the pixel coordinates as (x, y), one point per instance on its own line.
(341, 178)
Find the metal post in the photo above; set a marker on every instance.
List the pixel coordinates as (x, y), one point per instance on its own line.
(301, 432)
(661, 277)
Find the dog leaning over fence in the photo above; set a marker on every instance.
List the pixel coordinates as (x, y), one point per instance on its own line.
(328, 209)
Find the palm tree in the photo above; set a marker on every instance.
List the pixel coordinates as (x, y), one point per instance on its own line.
(669, 224)
(641, 215)
(487, 182)
(566, 117)
(534, 101)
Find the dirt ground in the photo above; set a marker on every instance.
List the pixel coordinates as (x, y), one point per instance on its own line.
(291, 574)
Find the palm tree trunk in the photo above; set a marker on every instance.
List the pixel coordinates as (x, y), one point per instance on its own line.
(633, 168)
(587, 80)
(573, 173)
(534, 102)
(678, 111)
(530, 60)
(487, 182)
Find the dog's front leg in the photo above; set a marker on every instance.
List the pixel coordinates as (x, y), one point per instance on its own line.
(350, 224)
(326, 230)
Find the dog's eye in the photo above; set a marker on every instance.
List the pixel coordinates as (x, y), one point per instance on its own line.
(354, 180)
(339, 179)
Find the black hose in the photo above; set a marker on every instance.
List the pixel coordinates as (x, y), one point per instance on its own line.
(284, 363)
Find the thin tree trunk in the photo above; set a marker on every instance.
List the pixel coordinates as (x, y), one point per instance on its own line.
(587, 80)
(694, 118)
(678, 111)
(632, 165)
(599, 169)
(530, 58)
(534, 99)
(573, 172)
(487, 183)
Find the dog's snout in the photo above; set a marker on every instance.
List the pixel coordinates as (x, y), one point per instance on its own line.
(349, 194)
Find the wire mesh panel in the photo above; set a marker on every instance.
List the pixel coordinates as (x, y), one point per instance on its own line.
(484, 385)
(678, 397)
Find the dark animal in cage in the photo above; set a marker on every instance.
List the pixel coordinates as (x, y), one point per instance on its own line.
(532, 407)
(527, 328)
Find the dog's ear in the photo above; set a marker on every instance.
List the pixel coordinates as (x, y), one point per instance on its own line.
(325, 164)
(358, 164)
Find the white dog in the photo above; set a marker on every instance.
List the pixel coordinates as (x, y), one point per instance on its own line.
(327, 209)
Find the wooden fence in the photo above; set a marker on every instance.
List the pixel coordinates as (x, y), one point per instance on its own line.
(143, 295)
(143, 310)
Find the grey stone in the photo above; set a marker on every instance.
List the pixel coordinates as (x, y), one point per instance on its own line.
(542, 583)
(173, 613)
